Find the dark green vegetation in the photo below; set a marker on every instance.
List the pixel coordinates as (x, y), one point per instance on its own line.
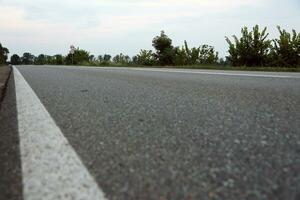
(253, 50)
(3, 54)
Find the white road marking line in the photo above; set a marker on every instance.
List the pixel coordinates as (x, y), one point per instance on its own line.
(215, 73)
(51, 168)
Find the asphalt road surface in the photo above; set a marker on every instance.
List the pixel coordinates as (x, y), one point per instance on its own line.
(166, 134)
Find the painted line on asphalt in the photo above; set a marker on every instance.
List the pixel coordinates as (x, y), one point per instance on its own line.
(215, 73)
(51, 168)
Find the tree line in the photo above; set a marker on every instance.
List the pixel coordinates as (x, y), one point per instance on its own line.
(252, 49)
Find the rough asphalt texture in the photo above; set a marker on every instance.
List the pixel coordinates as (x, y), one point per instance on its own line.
(159, 135)
(10, 164)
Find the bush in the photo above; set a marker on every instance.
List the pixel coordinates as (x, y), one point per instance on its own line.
(79, 56)
(3, 54)
(164, 49)
(252, 49)
(145, 57)
(286, 50)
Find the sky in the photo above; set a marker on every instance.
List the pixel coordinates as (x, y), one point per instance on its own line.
(126, 26)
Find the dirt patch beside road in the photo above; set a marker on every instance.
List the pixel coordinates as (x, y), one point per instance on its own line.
(4, 76)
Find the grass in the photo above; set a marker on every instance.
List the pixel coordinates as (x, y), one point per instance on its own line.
(242, 68)
(210, 67)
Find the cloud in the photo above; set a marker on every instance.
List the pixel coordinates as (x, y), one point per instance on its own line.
(114, 23)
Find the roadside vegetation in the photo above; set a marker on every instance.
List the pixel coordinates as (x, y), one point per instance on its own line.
(3, 54)
(253, 50)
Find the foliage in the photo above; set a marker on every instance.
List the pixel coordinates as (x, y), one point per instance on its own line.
(166, 54)
(122, 59)
(80, 56)
(192, 54)
(203, 55)
(40, 60)
(207, 55)
(251, 49)
(15, 59)
(28, 59)
(58, 59)
(180, 56)
(106, 57)
(164, 49)
(103, 59)
(286, 50)
(3, 54)
(145, 57)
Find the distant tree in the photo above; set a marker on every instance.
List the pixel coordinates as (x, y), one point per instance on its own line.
(80, 56)
(204, 54)
(40, 60)
(50, 60)
(252, 49)
(145, 57)
(164, 49)
(192, 55)
(15, 59)
(100, 59)
(180, 56)
(59, 59)
(121, 59)
(28, 59)
(106, 57)
(3, 54)
(286, 50)
(208, 55)
(117, 58)
(92, 58)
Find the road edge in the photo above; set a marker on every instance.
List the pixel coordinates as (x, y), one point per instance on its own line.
(5, 72)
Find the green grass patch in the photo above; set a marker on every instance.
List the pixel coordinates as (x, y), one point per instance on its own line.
(210, 67)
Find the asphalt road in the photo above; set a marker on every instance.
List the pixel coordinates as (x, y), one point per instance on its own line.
(175, 134)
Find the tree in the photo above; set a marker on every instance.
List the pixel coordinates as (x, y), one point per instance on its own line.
(164, 49)
(92, 58)
(15, 59)
(204, 54)
(145, 57)
(59, 60)
(106, 58)
(251, 49)
(3, 54)
(28, 59)
(208, 55)
(122, 59)
(192, 55)
(80, 56)
(286, 50)
(40, 60)
(180, 56)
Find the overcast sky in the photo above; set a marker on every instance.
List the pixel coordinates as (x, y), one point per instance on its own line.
(114, 26)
